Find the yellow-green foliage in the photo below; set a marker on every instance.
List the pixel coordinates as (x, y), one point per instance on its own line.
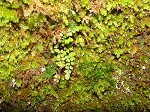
(74, 55)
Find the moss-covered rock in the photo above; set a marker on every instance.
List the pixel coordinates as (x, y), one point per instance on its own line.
(69, 55)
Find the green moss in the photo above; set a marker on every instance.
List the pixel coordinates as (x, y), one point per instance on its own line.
(74, 55)
(7, 16)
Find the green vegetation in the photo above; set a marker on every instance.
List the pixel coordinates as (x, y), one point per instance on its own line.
(82, 55)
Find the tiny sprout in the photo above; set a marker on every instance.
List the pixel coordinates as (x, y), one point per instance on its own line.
(56, 80)
(57, 76)
(13, 82)
(73, 12)
(61, 34)
(143, 67)
(43, 69)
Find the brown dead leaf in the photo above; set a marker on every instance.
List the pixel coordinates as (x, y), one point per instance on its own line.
(95, 5)
(86, 19)
(56, 33)
(43, 31)
(35, 5)
(40, 7)
(133, 50)
(27, 75)
(134, 41)
(77, 5)
(28, 11)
